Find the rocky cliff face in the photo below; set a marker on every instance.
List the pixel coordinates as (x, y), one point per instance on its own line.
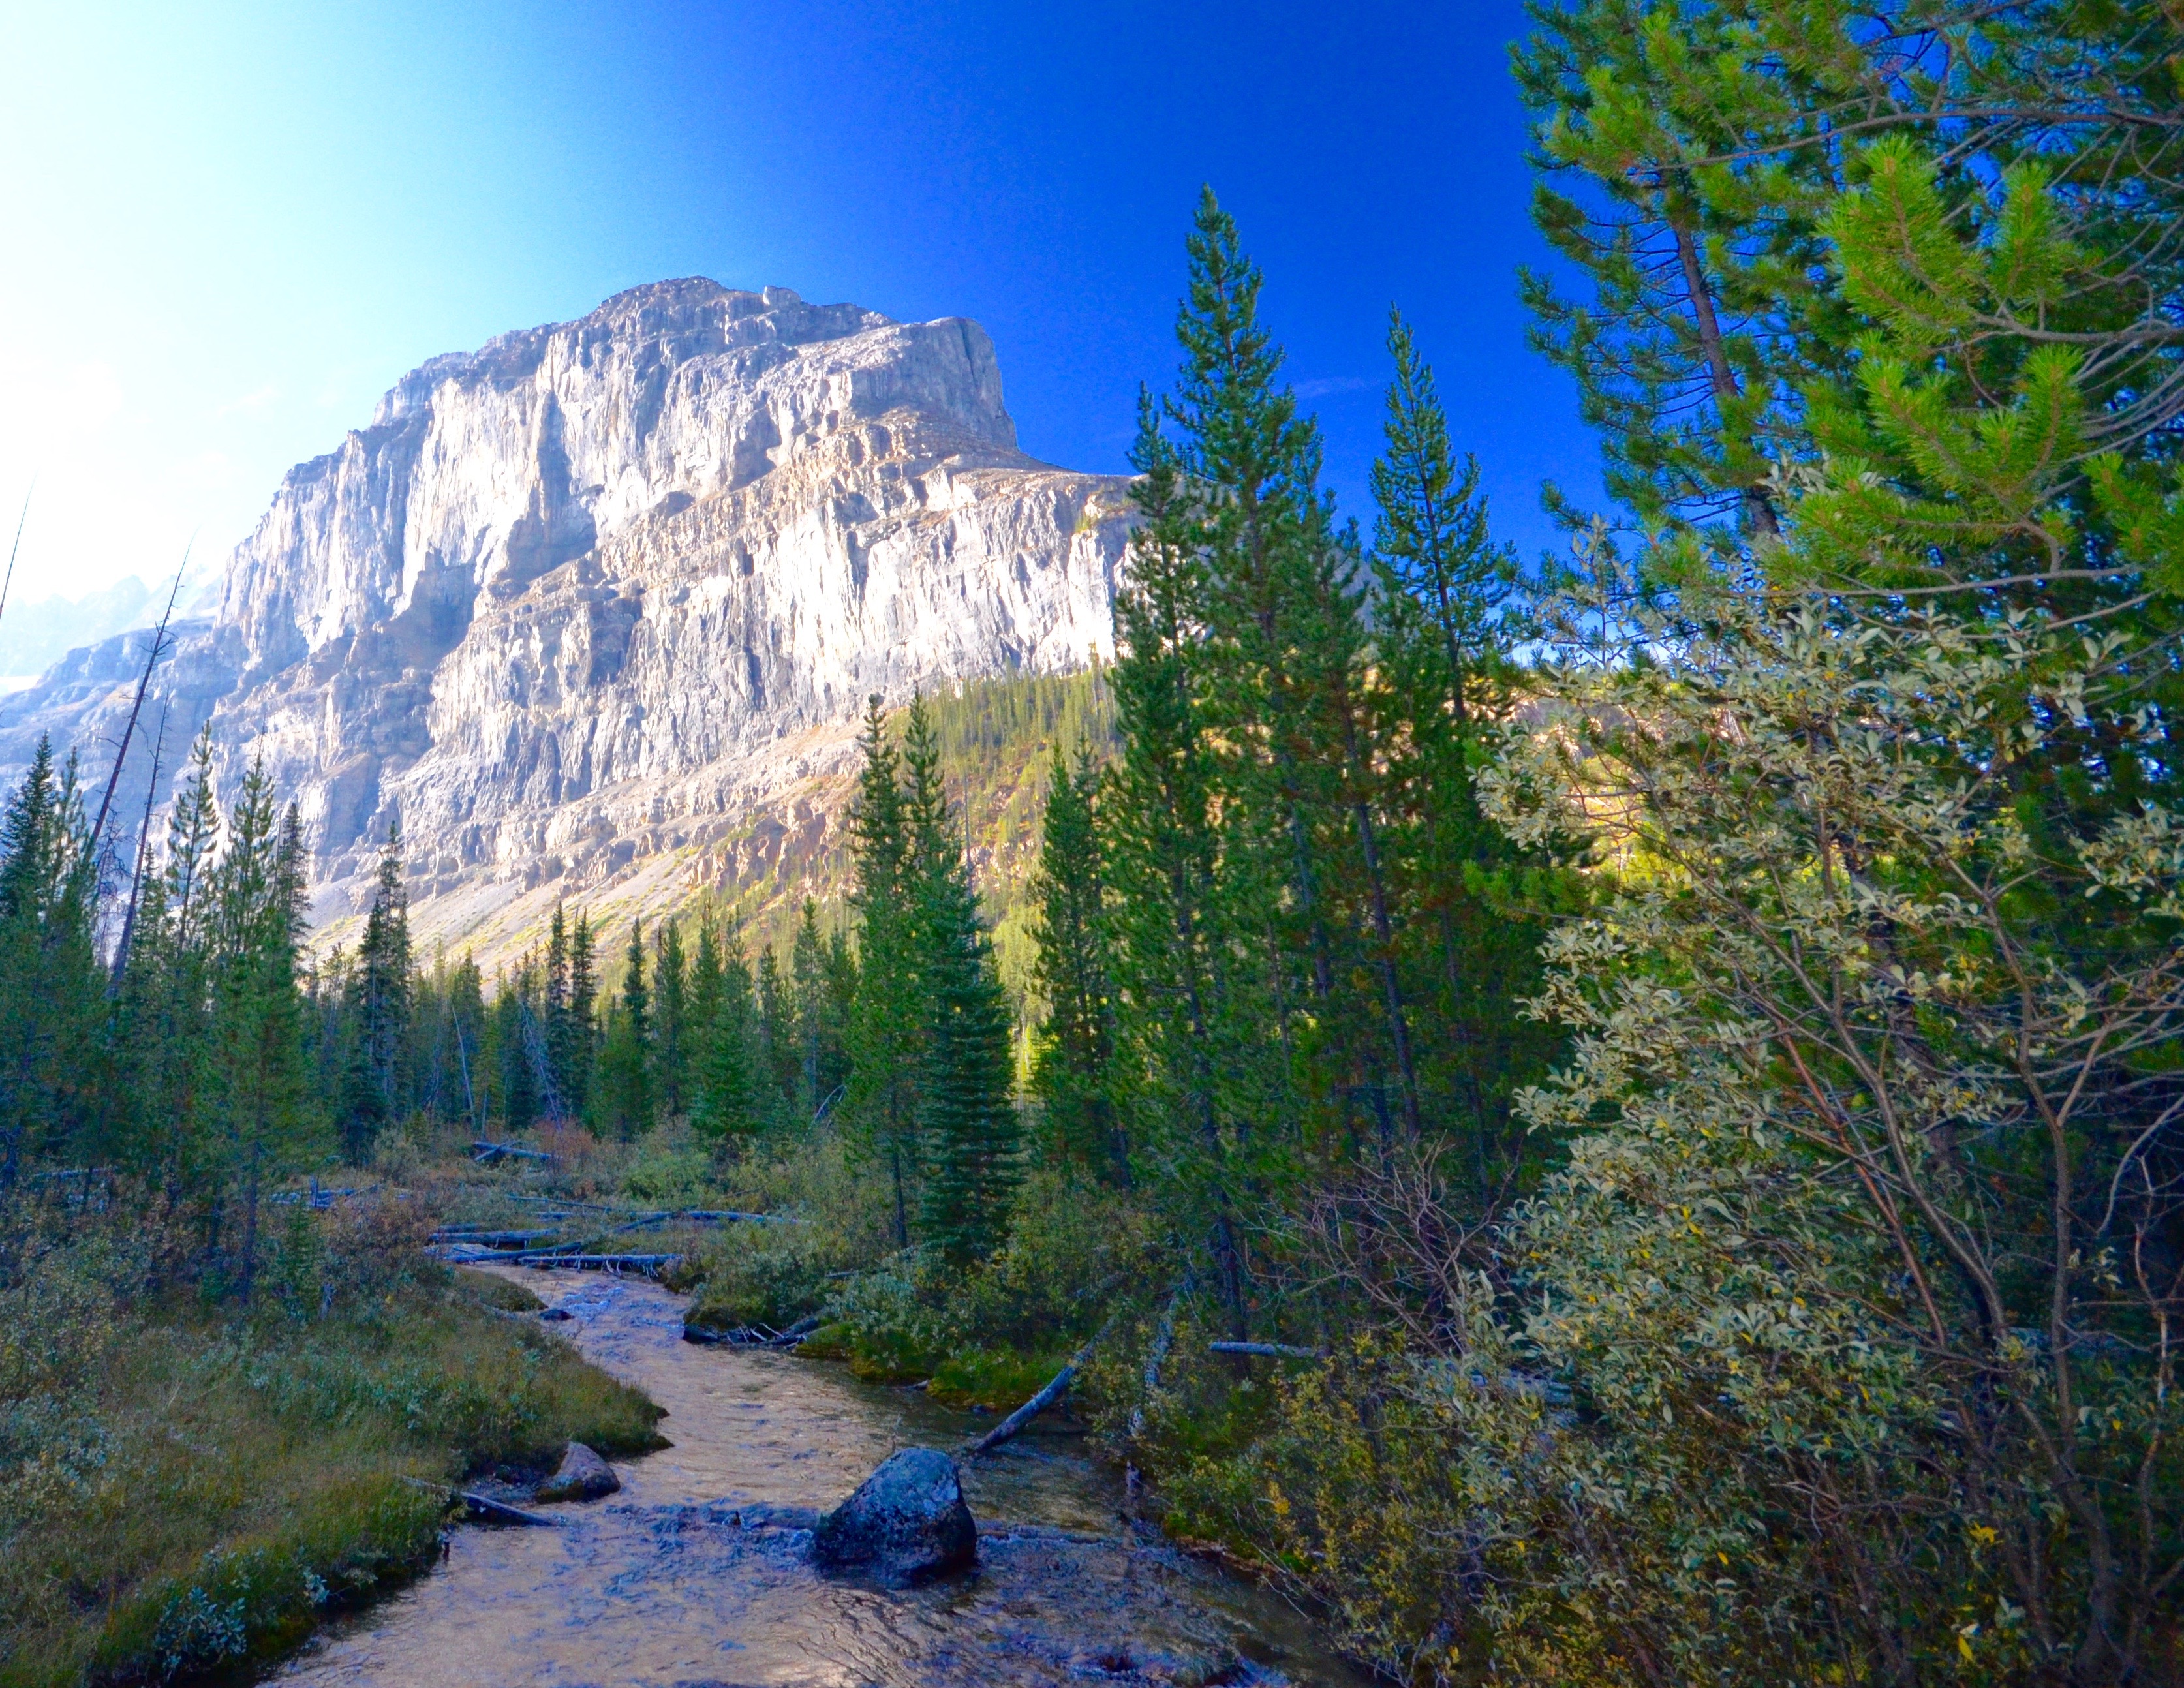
(575, 608)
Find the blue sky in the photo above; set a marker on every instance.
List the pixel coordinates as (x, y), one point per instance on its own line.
(228, 227)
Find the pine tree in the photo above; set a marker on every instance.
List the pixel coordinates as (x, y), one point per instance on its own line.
(702, 1007)
(379, 1068)
(626, 1058)
(48, 1008)
(1441, 638)
(582, 1022)
(1162, 851)
(731, 1112)
(262, 1076)
(464, 997)
(671, 1013)
(967, 1114)
(887, 1025)
(780, 1061)
(1072, 1069)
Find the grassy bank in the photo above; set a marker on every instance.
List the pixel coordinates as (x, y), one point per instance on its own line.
(186, 1482)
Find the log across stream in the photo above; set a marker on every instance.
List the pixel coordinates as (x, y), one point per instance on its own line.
(662, 1584)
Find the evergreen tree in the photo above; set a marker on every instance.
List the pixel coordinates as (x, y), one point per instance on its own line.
(261, 1075)
(1073, 1069)
(582, 1024)
(967, 1114)
(702, 1009)
(626, 1057)
(379, 1065)
(731, 1112)
(48, 1009)
(887, 1021)
(779, 1056)
(517, 1045)
(1441, 641)
(463, 997)
(1162, 850)
(671, 1059)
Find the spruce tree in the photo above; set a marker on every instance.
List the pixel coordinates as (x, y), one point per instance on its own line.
(702, 1007)
(583, 1014)
(967, 1113)
(625, 1061)
(1072, 1068)
(671, 1054)
(48, 1009)
(1162, 851)
(563, 1045)
(780, 1061)
(730, 1112)
(887, 1021)
(262, 1075)
(1443, 589)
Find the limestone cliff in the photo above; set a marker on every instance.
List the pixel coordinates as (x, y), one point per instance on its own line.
(578, 607)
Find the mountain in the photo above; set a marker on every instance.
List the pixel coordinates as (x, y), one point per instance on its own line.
(592, 612)
(37, 633)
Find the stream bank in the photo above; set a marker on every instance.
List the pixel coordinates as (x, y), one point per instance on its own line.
(663, 1585)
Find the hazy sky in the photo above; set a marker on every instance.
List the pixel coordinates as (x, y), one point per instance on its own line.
(228, 227)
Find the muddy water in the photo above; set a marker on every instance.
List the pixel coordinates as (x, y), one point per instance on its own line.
(661, 1584)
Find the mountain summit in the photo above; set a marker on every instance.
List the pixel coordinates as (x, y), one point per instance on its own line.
(575, 605)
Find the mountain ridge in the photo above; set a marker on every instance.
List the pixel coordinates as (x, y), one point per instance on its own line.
(575, 606)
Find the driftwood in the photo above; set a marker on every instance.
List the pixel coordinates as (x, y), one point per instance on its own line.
(136, 708)
(483, 1508)
(1157, 1356)
(1271, 1350)
(1039, 1403)
(649, 1264)
(754, 1335)
(485, 1154)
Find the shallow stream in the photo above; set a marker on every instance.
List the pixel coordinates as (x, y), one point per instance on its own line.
(659, 1585)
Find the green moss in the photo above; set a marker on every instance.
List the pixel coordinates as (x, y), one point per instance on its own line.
(999, 1379)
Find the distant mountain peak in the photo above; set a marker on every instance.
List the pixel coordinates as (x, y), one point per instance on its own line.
(578, 606)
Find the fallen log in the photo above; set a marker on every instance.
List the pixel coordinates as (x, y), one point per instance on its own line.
(1157, 1356)
(796, 1333)
(649, 1264)
(1039, 1403)
(485, 1153)
(483, 1508)
(754, 1335)
(1269, 1350)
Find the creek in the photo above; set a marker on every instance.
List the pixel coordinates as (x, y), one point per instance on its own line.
(660, 1583)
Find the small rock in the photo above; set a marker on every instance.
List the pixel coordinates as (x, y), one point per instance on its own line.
(583, 1476)
(778, 1518)
(557, 1314)
(906, 1521)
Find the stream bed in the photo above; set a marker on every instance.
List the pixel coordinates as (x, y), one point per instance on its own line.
(661, 1584)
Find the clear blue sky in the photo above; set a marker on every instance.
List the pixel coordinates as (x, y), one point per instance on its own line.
(228, 227)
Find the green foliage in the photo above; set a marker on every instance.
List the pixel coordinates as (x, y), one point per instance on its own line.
(276, 1446)
(1073, 1061)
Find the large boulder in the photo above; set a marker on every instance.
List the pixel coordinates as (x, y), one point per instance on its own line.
(906, 1521)
(583, 1476)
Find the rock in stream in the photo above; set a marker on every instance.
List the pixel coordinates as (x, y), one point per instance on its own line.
(906, 1521)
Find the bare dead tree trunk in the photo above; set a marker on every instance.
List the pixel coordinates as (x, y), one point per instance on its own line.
(143, 681)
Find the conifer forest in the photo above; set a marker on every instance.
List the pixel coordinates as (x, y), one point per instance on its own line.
(1609, 1118)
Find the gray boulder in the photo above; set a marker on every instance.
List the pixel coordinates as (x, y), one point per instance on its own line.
(583, 1476)
(906, 1521)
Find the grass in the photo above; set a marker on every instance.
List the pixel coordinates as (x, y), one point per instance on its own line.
(187, 1485)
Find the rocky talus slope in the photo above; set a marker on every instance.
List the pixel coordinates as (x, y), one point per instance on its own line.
(592, 612)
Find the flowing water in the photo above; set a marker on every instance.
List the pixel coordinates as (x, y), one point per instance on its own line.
(662, 1584)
